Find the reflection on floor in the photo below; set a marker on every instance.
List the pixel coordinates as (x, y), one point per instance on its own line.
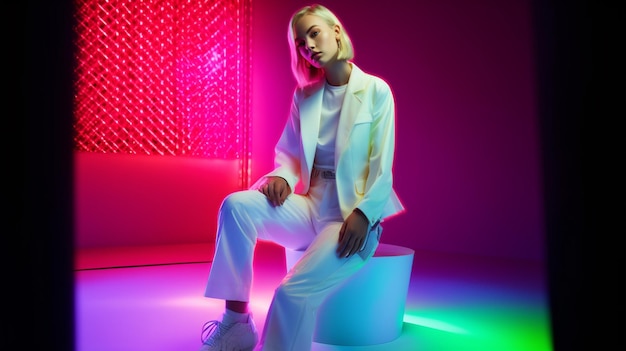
(151, 299)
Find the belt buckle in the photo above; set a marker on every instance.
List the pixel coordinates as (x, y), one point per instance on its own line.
(328, 174)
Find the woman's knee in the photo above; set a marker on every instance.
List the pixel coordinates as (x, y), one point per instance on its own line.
(239, 199)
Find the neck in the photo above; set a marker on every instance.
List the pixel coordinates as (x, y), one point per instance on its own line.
(339, 73)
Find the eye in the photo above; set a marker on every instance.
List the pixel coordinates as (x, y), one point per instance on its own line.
(315, 33)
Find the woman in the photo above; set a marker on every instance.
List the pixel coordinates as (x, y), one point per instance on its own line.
(338, 145)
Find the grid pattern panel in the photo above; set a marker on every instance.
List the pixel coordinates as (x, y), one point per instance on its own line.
(163, 77)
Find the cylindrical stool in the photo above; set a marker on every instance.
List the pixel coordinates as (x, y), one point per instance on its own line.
(369, 308)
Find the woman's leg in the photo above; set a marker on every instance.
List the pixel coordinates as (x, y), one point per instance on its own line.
(291, 318)
(244, 217)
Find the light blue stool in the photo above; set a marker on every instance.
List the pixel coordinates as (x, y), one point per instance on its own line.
(369, 308)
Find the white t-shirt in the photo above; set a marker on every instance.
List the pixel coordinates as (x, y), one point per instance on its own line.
(329, 121)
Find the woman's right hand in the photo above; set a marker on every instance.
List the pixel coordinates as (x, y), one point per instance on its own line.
(275, 189)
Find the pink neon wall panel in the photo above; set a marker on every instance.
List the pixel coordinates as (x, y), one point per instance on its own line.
(166, 77)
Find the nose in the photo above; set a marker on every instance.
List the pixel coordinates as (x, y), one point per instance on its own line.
(310, 43)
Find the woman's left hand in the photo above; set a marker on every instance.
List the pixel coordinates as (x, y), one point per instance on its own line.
(352, 234)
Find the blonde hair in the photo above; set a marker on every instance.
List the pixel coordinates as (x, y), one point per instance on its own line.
(303, 72)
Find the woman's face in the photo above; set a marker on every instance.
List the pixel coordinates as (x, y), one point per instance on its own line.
(316, 41)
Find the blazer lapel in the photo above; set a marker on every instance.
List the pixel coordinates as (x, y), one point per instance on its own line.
(349, 110)
(310, 111)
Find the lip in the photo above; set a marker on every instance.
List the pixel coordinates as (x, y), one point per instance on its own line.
(315, 55)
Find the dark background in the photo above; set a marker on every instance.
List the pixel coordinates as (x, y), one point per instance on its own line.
(581, 85)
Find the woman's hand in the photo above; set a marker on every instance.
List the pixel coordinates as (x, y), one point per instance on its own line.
(352, 234)
(275, 189)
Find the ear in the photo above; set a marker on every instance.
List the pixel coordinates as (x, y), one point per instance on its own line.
(337, 31)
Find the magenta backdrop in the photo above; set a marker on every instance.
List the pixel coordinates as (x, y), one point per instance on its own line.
(468, 160)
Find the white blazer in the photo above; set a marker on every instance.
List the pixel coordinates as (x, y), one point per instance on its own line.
(364, 149)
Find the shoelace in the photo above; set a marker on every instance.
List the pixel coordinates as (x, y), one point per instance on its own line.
(211, 331)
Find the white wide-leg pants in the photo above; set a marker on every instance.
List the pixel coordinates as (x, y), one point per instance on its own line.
(310, 222)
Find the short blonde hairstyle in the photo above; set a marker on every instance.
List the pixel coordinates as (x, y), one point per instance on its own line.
(302, 70)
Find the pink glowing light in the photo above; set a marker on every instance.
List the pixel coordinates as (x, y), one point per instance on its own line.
(163, 78)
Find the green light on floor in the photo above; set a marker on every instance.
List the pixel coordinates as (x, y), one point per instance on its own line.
(434, 324)
(486, 329)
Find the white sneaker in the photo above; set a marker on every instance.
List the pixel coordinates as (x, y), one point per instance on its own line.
(217, 336)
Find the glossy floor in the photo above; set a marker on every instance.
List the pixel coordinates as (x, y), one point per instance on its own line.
(151, 299)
